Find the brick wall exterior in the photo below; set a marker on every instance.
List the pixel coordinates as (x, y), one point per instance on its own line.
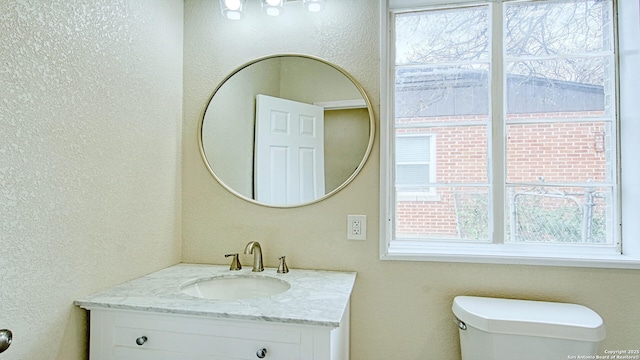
(549, 152)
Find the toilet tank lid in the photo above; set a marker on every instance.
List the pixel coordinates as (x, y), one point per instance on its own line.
(530, 318)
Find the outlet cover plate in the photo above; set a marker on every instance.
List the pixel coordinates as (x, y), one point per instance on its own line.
(356, 227)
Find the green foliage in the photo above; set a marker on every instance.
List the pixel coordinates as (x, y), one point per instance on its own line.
(544, 221)
(472, 210)
(559, 220)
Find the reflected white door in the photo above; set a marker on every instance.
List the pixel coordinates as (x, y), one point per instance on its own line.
(289, 151)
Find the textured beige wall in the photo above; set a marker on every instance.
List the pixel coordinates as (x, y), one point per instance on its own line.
(90, 136)
(400, 310)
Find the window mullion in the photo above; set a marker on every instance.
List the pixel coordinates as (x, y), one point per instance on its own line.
(497, 156)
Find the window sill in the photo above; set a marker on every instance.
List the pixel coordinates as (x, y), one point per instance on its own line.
(508, 254)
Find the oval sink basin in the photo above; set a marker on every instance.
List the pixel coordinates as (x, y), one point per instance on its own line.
(235, 287)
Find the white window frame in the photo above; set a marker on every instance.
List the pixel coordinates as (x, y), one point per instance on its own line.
(628, 21)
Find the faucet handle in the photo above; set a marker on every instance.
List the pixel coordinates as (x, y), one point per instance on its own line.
(283, 268)
(235, 262)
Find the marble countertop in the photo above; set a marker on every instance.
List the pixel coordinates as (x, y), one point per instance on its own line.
(315, 297)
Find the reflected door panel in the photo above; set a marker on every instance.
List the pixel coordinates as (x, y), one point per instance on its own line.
(289, 151)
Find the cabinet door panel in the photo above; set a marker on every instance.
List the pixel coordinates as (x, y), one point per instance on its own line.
(184, 337)
(170, 337)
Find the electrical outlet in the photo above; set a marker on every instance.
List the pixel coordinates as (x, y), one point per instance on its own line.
(357, 227)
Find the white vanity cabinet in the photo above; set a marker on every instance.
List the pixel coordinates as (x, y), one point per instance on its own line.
(153, 318)
(134, 335)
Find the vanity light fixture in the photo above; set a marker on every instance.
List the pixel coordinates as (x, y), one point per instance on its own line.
(273, 7)
(234, 9)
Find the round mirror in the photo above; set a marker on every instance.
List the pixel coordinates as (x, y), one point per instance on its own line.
(286, 130)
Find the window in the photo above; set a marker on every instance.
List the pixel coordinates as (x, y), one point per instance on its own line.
(522, 98)
(415, 165)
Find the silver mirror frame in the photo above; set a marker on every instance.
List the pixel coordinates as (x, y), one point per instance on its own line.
(365, 157)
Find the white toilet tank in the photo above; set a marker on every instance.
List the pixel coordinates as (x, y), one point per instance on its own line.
(504, 329)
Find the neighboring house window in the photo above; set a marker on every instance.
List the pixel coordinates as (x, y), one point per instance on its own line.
(521, 97)
(415, 164)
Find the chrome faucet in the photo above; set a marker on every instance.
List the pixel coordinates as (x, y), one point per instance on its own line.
(235, 262)
(254, 248)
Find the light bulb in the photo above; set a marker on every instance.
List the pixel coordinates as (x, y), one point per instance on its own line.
(232, 9)
(314, 5)
(273, 11)
(232, 4)
(233, 15)
(273, 7)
